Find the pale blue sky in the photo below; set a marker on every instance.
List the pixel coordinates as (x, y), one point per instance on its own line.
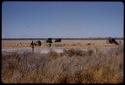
(62, 19)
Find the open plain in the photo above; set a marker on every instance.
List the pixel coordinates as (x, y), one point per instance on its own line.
(68, 61)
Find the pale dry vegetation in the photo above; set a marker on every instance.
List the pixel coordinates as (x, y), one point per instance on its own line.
(73, 66)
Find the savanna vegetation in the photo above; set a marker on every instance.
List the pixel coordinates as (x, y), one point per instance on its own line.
(73, 66)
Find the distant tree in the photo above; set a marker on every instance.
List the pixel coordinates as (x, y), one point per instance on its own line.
(49, 40)
(38, 43)
(58, 40)
(112, 41)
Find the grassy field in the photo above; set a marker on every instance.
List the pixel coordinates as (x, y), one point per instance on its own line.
(99, 63)
(64, 43)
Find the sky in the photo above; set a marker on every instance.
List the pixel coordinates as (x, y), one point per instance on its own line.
(62, 19)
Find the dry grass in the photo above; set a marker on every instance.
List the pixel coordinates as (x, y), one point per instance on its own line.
(64, 43)
(73, 66)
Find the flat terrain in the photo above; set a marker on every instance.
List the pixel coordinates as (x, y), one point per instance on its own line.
(69, 61)
(64, 43)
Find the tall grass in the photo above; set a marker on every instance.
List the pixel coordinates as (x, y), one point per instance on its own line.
(73, 66)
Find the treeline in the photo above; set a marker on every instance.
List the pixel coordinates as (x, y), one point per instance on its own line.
(119, 38)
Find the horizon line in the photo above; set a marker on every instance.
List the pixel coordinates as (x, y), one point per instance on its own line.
(88, 38)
